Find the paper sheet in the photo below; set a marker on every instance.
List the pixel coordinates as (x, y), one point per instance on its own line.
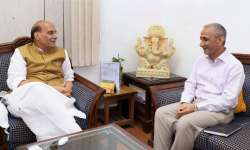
(110, 71)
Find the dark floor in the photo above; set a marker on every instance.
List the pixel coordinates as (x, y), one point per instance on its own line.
(138, 132)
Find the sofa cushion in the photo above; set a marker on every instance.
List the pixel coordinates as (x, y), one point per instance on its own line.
(84, 97)
(201, 141)
(4, 65)
(166, 97)
(241, 106)
(236, 141)
(19, 132)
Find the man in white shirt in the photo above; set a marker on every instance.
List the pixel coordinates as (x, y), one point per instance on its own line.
(40, 77)
(209, 97)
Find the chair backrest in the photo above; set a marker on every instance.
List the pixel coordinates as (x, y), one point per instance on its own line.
(245, 60)
(6, 51)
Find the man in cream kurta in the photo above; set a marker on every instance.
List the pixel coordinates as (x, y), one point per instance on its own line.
(40, 77)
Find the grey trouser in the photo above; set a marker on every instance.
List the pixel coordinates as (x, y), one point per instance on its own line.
(186, 128)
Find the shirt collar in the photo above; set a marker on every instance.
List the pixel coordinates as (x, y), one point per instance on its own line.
(38, 48)
(221, 57)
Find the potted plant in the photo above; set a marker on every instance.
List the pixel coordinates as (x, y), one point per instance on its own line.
(119, 60)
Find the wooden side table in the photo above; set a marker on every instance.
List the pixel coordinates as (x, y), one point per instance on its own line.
(125, 94)
(144, 110)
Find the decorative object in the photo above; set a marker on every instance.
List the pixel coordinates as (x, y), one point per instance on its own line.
(119, 60)
(110, 71)
(154, 53)
(108, 86)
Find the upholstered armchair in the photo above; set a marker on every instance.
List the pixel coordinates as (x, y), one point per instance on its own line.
(86, 93)
(237, 141)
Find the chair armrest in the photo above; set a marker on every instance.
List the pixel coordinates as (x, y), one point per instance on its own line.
(166, 94)
(87, 95)
(166, 97)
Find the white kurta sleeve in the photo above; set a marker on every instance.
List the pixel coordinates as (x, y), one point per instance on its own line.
(17, 70)
(67, 70)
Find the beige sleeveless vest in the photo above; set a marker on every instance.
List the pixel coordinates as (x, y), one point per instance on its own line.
(43, 67)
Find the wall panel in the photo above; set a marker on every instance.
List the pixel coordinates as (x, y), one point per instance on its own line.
(54, 13)
(67, 26)
(17, 17)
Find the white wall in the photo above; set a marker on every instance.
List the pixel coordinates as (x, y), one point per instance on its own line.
(18, 16)
(122, 21)
(54, 12)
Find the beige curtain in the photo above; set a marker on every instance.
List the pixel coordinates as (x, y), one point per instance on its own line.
(82, 31)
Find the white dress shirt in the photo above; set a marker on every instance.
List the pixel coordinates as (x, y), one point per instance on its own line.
(17, 70)
(214, 85)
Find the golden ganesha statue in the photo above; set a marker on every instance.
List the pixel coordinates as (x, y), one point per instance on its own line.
(154, 53)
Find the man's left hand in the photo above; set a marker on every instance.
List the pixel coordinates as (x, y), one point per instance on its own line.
(68, 88)
(185, 108)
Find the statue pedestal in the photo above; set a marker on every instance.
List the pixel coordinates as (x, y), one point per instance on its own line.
(141, 72)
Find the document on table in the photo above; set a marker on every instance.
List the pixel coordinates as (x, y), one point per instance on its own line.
(110, 71)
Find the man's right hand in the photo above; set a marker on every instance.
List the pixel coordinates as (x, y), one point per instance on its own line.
(185, 108)
(62, 89)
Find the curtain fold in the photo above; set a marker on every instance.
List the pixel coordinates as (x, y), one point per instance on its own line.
(82, 31)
